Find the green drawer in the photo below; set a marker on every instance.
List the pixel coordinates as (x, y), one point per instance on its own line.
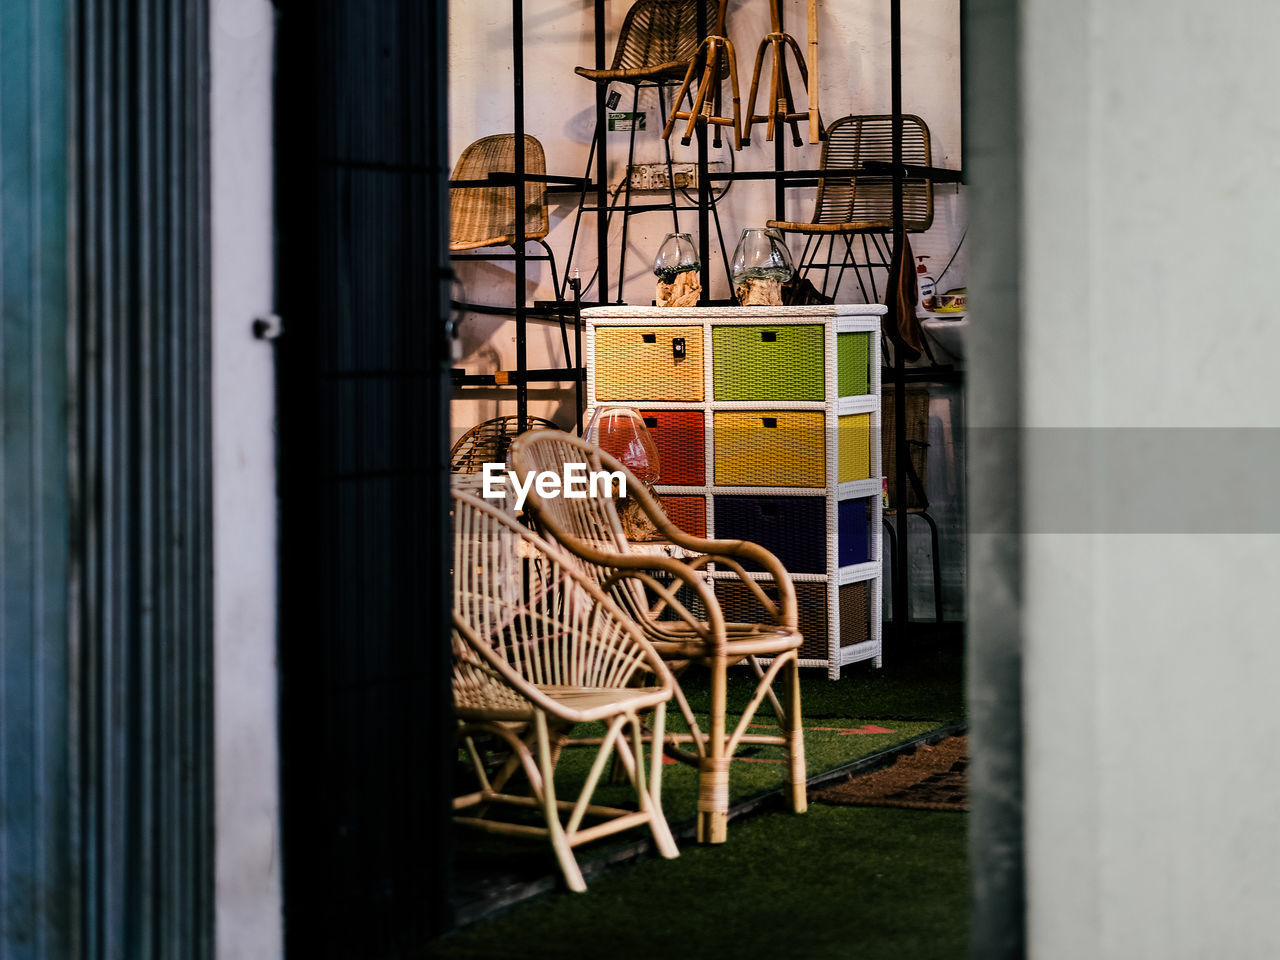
(761, 362)
(852, 363)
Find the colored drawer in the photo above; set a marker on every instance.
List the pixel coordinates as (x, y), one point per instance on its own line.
(678, 435)
(775, 363)
(855, 613)
(739, 606)
(852, 358)
(689, 513)
(854, 524)
(648, 363)
(855, 447)
(772, 448)
(794, 529)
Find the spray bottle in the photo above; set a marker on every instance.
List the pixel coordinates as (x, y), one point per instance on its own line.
(924, 284)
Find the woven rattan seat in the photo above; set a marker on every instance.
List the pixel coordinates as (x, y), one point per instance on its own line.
(680, 614)
(863, 205)
(488, 442)
(657, 40)
(537, 649)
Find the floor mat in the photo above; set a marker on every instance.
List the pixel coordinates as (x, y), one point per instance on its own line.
(930, 778)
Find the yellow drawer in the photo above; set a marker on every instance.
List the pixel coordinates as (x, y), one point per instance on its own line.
(855, 447)
(770, 448)
(648, 363)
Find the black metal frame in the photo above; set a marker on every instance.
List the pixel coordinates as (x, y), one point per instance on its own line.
(522, 376)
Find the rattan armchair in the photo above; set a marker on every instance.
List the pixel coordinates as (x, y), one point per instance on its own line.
(675, 605)
(481, 215)
(538, 649)
(862, 206)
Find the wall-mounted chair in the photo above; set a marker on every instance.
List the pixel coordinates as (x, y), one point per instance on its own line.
(917, 434)
(713, 59)
(658, 40)
(538, 649)
(862, 206)
(482, 216)
(679, 612)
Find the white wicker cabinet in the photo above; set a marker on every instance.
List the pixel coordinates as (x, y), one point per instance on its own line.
(759, 444)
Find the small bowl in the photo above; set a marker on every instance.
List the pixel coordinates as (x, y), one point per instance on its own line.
(953, 301)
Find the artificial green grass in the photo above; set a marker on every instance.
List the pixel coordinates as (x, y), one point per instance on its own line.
(836, 882)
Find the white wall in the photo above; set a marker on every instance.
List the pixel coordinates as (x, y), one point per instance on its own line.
(247, 807)
(560, 112)
(1149, 205)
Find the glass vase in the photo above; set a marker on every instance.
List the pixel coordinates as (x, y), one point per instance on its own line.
(761, 254)
(676, 255)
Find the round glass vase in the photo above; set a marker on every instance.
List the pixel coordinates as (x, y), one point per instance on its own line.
(761, 254)
(676, 255)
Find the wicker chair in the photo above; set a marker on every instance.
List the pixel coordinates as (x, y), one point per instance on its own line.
(488, 442)
(679, 613)
(485, 216)
(917, 433)
(657, 41)
(538, 649)
(862, 206)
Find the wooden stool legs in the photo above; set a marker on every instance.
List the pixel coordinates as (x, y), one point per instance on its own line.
(710, 53)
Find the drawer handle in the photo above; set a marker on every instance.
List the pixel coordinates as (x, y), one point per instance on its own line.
(677, 348)
(649, 337)
(769, 422)
(768, 336)
(651, 422)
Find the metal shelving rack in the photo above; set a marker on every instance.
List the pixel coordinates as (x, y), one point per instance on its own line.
(898, 374)
(522, 376)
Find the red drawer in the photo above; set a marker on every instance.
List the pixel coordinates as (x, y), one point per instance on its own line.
(689, 513)
(678, 434)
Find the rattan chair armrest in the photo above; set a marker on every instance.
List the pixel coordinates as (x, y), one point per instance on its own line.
(734, 550)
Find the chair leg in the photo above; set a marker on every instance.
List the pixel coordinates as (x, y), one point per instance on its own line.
(893, 549)
(750, 116)
(551, 810)
(713, 769)
(626, 186)
(651, 797)
(737, 102)
(797, 775)
(666, 150)
(937, 568)
(803, 266)
(708, 71)
(680, 95)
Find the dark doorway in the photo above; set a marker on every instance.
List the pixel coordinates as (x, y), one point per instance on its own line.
(361, 148)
